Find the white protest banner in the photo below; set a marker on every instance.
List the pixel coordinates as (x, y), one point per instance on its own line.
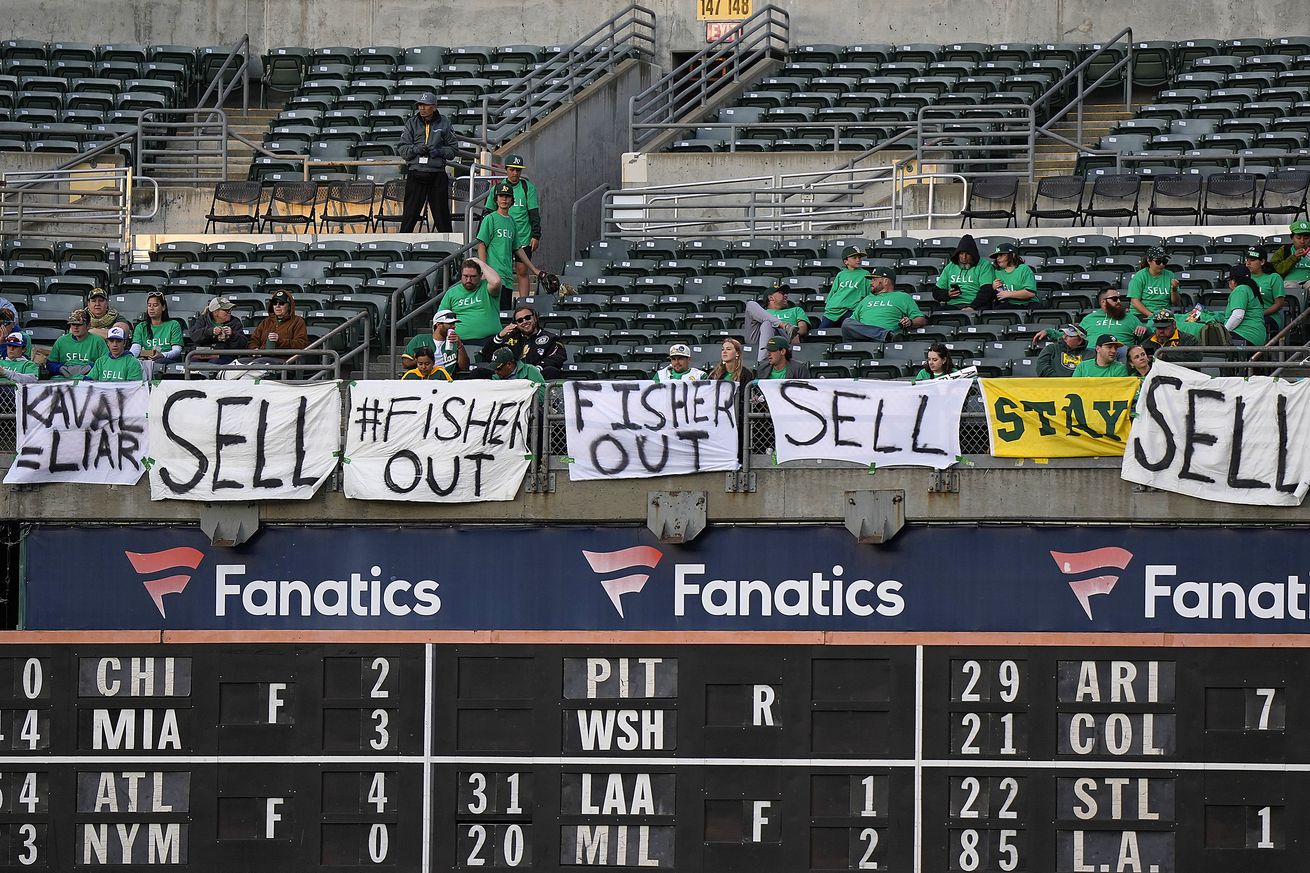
(80, 432)
(867, 422)
(1227, 439)
(242, 440)
(631, 430)
(441, 442)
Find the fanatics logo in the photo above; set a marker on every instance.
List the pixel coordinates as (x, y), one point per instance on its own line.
(150, 563)
(623, 559)
(1075, 563)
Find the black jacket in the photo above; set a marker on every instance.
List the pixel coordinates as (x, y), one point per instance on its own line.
(542, 349)
(438, 148)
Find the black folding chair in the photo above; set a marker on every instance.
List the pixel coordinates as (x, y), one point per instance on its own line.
(1230, 195)
(1062, 192)
(992, 198)
(1173, 195)
(241, 200)
(1114, 196)
(1284, 194)
(294, 204)
(348, 203)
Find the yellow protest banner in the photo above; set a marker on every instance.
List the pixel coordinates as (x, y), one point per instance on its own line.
(1058, 418)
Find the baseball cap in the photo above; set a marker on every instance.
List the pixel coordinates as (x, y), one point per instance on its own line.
(1300, 227)
(97, 292)
(679, 350)
(882, 273)
(515, 162)
(776, 344)
(504, 188)
(1238, 272)
(1163, 316)
(116, 333)
(1073, 330)
(218, 303)
(78, 316)
(502, 357)
(1155, 252)
(15, 339)
(852, 252)
(1257, 252)
(427, 98)
(280, 297)
(1005, 249)
(444, 316)
(1106, 339)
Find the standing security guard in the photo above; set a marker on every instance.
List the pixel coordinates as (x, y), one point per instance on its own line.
(526, 213)
(427, 143)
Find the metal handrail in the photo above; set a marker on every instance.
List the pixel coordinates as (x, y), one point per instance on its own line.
(330, 356)
(15, 207)
(1275, 342)
(524, 97)
(362, 348)
(573, 213)
(709, 72)
(222, 91)
(196, 119)
(396, 319)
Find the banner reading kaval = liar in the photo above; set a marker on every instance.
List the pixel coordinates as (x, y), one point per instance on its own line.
(1058, 418)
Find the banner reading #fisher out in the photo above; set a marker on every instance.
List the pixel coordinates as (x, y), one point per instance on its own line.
(1058, 418)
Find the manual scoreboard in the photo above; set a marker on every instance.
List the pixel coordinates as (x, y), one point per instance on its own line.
(417, 757)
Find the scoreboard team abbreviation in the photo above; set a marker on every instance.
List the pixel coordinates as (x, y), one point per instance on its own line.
(415, 757)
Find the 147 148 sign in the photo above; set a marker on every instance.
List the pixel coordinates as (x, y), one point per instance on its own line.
(723, 10)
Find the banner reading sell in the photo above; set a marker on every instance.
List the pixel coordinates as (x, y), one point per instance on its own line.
(627, 430)
(884, 423)
(80, 432)
(1228, 439)
(242, 440)
(1058, 418)
(441, 442)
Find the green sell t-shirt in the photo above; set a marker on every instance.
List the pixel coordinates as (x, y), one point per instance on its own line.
(1301, 271)
(525, 199)
(1271, 288)
(849, 287)
(886, 310)
(1021, 278)
(123, 368)
(22, 366)
(925, 376)
(969, 280)
(1097, 323)
(1089, 368)
(68, 350)
(501, 236)
(791, 315)
(161, 338)
(1252, 326)
(777, 374)
(1153, 291)
(477, 312)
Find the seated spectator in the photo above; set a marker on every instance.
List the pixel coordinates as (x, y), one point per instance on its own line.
(1292, 262)
(530, 342)
(9, 324)
(15, 365)
(965, 283)
(509, 366)
(1062, 357)
(938, 363)
(425, 366)
(1105, 363)
(217, 328)
(774, 315)
(731, 367)
(157, 338)
(885, 313)
(443, 342)
(98, 311)
(118, 365)
(1015, 285)
(1153, 287)
(1243, 315)
(281, 328)
(1113, 318)
(779, 364)
(1273, 294)
(475, 300)
(849, 287)
(679, 366)
(1168, 336)
(72, 354)
(1139, 362)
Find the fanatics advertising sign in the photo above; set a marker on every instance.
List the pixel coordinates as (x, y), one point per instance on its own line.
(814, 578)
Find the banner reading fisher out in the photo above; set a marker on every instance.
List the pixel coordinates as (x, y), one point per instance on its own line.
(626, 430)
(242, 440)
(884, 423)
(1228, 439)
(80, 432)
(438, 441)
(1058, 418)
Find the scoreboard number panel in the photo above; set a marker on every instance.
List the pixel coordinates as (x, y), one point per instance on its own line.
(754, 758)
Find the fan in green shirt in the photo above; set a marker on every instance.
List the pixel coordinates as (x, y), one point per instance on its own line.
(525, 211)
(1014, 282)
(965, 282)
(1153, 287)
(849, 287)
(475, 301)
(76, 350)
(1105, 363)
(118, 365)
(1243, 315)
(1269, 286)
(501, 242)
(1113, 318)
(14, 364)
(1293, 260)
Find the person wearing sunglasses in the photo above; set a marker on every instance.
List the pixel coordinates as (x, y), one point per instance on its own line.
(1113, 318)
(1153, 287)
(530, 342)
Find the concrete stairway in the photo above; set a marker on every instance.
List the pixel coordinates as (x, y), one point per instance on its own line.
(1054, 158)
(252, 125)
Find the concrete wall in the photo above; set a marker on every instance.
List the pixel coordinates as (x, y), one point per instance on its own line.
(500, 22)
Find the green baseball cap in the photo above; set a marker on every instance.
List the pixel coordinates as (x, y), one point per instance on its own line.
(1300, 227)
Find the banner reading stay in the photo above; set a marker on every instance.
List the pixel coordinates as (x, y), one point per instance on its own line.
(80, 432)
(626, 430)
(1058, 417)
(242, 440)
(438, 441)
(885, 423)
(1227, 439)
